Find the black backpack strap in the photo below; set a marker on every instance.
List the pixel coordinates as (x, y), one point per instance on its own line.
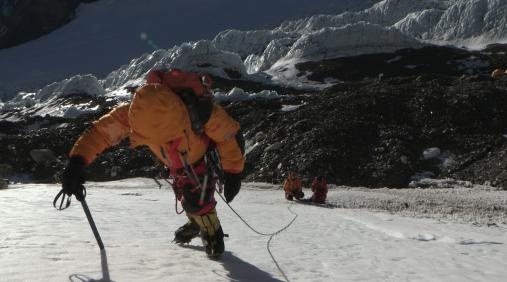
(204, 108)
(199, 109)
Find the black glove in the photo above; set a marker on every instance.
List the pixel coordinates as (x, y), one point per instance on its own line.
(232, 183)
(73, 177)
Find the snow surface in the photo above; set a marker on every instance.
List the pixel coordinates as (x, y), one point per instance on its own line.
(41, 104)
(238, 94)
(136, 221)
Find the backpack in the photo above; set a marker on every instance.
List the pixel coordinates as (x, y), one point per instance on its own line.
(193, 88)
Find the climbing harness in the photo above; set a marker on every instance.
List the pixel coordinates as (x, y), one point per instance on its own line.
(175, 198)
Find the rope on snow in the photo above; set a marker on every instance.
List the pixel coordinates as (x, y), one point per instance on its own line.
(271, 235)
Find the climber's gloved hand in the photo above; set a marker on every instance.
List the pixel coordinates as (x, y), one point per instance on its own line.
(73, 178)
(232, 184)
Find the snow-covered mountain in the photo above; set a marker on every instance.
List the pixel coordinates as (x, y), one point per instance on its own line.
(271, 54)
(107, 34)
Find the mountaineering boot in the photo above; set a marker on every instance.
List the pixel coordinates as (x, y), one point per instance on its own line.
(213, 244)
(186, 233)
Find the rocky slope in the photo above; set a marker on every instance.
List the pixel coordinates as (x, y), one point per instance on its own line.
(370, 129)
(372, 133)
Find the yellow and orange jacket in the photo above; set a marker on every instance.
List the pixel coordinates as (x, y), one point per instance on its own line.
(158, 118)
(497, 73)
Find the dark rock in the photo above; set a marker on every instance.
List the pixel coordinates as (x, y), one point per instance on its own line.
(375, 135)
(43, 156)
(25, 20)
(4, 183)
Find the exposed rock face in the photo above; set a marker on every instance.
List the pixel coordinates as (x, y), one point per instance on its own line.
(24, 20)
(43, 156)
(439, 119)
(374, 133)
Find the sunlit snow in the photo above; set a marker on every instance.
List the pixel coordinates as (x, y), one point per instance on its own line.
(136, 221)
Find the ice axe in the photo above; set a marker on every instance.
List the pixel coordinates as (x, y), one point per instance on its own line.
(80, 196)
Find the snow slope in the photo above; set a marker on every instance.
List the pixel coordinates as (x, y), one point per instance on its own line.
(387, 26)
(136, 221)
(109, 33)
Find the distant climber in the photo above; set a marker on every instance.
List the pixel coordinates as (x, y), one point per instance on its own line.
(497, 73)
(319, 189)
(292, 187)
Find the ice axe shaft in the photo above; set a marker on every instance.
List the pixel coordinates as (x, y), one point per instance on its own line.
(92, 224)
(80, 196)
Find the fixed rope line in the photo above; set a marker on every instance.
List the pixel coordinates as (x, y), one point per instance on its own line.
(253, 229)
(269, 250)
(271, 235)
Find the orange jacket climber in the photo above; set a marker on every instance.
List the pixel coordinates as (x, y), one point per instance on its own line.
(167, 133)
(497, 73)
(292, 187)
(158, 118)
(319, 189)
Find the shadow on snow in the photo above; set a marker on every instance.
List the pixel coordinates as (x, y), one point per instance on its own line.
(237, 269)
(105, 271)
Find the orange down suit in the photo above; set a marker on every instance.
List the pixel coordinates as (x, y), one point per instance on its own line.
(158, 118)
(292, 187)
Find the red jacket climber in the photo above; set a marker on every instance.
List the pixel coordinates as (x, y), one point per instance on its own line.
(319, 189)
